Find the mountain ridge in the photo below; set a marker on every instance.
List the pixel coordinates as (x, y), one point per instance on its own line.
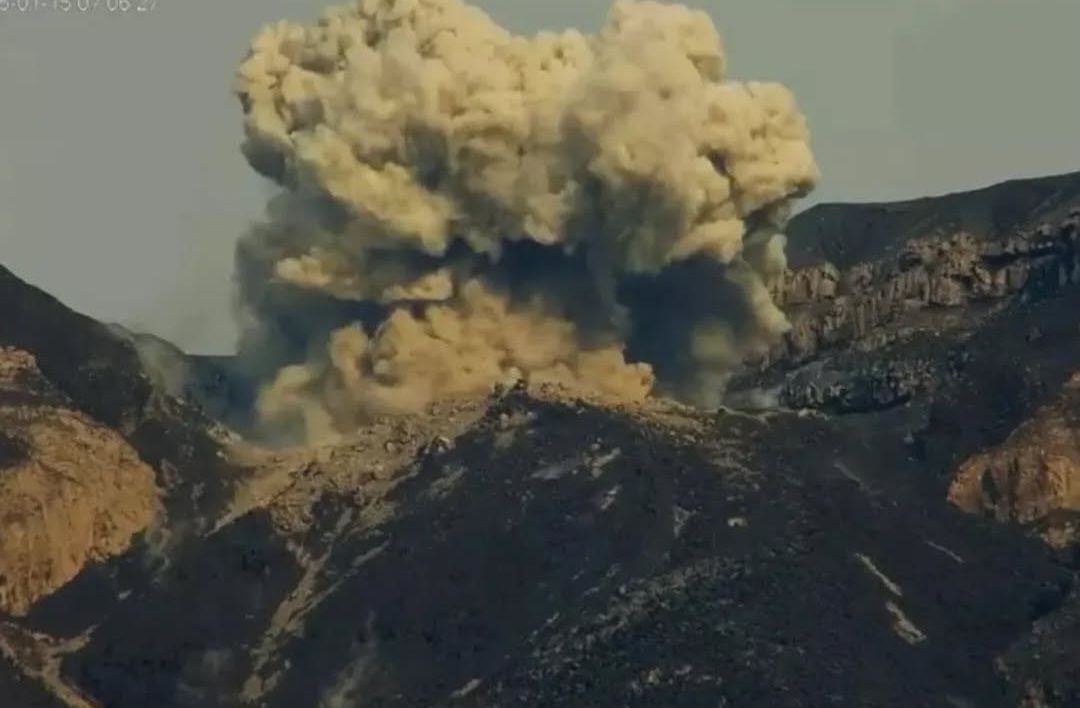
(797, 547)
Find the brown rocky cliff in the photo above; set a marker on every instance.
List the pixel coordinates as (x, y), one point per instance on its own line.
(1034, 473)
(72, 492)
(101, 374)
(831, 308)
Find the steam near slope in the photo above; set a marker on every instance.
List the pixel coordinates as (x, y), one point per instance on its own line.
(464, 206)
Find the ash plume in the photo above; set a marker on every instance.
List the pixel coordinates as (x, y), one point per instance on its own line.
(463, 206)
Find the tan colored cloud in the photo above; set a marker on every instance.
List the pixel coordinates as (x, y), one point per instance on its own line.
(459, 176)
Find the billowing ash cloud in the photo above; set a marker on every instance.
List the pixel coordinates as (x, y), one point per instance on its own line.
(463, 206)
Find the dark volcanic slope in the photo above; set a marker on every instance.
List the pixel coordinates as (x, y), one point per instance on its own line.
(20, 691)
(529, 549)
(847, 234)
(563, 554)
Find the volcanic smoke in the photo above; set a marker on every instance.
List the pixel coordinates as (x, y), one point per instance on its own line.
(461, 206)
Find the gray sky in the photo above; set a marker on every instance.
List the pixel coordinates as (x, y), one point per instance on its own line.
(122, 189)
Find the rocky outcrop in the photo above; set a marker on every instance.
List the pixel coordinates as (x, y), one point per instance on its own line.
(72, 492)
(102, 375)
(830, 308)
(1034, 473)
(875, 386)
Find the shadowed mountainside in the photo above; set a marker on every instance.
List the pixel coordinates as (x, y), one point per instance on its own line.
(878, 518)
(849, 234)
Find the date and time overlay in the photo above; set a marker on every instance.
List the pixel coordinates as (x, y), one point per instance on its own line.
(75, 7)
